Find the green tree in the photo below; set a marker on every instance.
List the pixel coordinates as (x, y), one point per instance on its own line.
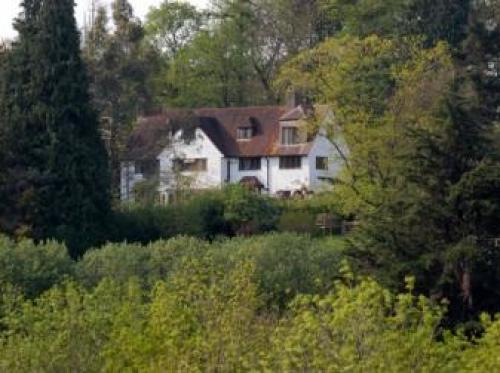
(211, 71)
(55, 162)
(172, 25)
(33, 269)
(420, 164)
(247, 212)
(120, 68)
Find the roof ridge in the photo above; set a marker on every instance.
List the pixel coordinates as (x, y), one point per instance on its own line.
(242, 107)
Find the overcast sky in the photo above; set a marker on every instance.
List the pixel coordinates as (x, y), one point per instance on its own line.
(9, 9)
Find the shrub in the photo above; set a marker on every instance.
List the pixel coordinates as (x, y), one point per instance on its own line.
(146, 263)
(33, 268)
(207, 215)
(362, 327)
(285, 264)
(298, 221)
(117, 261)
(208, 318)
(247, 212)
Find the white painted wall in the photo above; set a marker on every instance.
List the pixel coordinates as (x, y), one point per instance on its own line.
(128, 180)
(200, 147)
(323, 148)
(236, 175)
(290, 180)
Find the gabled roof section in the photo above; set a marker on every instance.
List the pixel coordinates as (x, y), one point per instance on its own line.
(294, 114)
(153, 133)
(221, 125)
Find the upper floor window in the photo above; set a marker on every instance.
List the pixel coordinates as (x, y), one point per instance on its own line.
(289, 135)
(191, 165)
(290, 162)
(322, 163)
(250, 164)
(245, 133)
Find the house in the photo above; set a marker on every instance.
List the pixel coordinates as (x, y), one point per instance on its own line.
(272, 149)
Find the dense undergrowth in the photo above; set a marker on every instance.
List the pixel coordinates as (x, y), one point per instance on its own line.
(280, 302)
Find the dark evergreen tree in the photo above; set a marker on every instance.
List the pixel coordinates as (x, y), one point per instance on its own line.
(439, 224)
(54, 160)
(437, 20)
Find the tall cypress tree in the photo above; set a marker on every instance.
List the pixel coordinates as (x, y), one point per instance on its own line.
(54, 157)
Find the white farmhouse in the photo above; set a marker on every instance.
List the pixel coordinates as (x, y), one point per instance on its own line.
(273, 149)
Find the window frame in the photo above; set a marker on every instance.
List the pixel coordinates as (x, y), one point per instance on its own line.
(244, 133)
(286, 163)
(257, 166)
(288, 139)
(322, 163)
(183, 165)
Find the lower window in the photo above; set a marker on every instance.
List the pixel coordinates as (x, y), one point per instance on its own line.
(250, 164)
(191, 165)
(291, 162)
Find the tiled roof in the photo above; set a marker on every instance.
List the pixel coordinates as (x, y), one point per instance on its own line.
(294, 114)
(151, 135)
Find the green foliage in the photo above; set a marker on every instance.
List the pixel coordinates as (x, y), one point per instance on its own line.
(297, 221)
(64, 329)
(483, 356)
(150, 264)
(32, 268)
(200, 216)
(367, 17)
(285, 264)
(363, 327)
(208, 316)
(420, 164)
(248, 212)
(120, 68)
(435, 20)
(54, 163)
(209, 72)
(171, 26)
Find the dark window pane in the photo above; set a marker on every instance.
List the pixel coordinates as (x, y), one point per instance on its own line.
(293, 162)
(250, 164)
(322, 163)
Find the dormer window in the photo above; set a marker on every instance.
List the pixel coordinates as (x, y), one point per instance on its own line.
(289, 135)
(245, 133)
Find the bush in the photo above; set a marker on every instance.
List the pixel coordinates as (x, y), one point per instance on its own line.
(233, 210)
(285, 264)
(207, 318)
(247, 212)
(201, 216)
(298, 221)
(33, 268)
(148, 264)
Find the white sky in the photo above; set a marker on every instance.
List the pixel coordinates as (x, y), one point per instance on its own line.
(9, 9)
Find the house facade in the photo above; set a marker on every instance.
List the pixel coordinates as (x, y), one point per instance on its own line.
(272, 149)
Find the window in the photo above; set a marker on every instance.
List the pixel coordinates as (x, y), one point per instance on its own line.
(190, 165)
(249, 164)
(245, 133)
(322, 163)
(288, 163)
(289, 135)
(146, 168)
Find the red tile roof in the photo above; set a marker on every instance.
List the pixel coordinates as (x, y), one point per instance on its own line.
(151, 135)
